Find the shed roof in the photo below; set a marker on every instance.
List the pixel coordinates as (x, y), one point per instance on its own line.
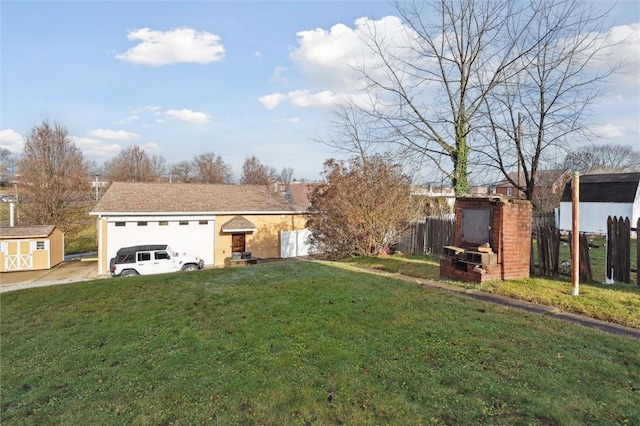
(35, 231)
(142, 198)
(606, 188)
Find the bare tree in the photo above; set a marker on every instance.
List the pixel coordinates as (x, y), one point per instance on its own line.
(183, 171)
(256, 173)
(131, 165)
(361, 208)
(159, 165)
(286, 176)
(212, 169)
(7, 165)
(603, 159)
(430, 91)
(54, 180)
(544, 105)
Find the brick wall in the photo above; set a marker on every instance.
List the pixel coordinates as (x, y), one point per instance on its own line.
(510, 239)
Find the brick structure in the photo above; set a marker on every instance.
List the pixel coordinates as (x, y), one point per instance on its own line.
(492, 240)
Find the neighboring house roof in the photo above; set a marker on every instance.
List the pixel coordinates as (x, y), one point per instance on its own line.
(605, 188)
(299, 192)
(144, 197)
(238, 224)
(36, 231)
(544, 178)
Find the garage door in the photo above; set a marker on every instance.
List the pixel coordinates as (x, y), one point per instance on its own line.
(185, 235)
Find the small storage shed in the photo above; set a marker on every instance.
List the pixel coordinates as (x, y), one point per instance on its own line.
(29, 248)
(601, 196)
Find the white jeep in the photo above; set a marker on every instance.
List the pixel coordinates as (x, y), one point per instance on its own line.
(152, 259)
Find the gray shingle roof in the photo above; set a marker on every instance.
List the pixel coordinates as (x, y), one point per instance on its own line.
(36, 231)
(606, 188)
(137, 197)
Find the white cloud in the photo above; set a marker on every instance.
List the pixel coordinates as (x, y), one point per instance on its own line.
(11, 140)
(332, 60)
(129, 119)
(305, 99)
(96, 149)
(272, 101)
(187, 115)
(607, 131)
(113, 134)
(173, 46)
(624, 46)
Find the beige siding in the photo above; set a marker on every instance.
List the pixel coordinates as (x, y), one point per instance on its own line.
(56, 247)
(263, 243)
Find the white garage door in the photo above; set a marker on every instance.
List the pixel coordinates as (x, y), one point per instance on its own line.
(193, 235)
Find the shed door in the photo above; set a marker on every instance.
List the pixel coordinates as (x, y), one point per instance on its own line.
(19, 256)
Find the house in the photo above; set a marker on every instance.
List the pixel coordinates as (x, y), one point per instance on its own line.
(547, 181)
(30, 248)
(601, 196)
(217, 222)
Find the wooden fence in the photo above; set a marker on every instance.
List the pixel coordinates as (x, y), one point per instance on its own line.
(618, 267)
(547, 240)
(428, 236)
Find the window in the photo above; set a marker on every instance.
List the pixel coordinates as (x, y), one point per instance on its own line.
(163, 223)
(184, 222)
(509, 192)
(121, 223)
(204, 222)
(39, 245)
(161, 255)
(143, 256)
(142, 223)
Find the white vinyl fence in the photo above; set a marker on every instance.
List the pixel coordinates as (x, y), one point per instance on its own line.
(295, 243)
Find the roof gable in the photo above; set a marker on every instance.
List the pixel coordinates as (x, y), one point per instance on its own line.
(141, 198)
(605, 188)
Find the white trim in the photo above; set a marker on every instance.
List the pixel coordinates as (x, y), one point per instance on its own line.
(237, 231)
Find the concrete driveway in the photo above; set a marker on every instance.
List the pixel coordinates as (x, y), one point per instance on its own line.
(66, 272)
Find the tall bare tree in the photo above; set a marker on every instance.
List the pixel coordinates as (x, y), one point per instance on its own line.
(210, 168)
(607, 158)
(428, 93)
(183, 171)
(131, 165)
(545, 104)
(54, 186)
(361, 208)
(256, 173)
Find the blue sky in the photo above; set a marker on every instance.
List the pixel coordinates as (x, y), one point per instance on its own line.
(236, 78)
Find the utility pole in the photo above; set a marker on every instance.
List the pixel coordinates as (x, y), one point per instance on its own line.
(575, 234)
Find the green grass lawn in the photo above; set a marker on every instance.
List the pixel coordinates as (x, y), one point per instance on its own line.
(300, 343)
(619, 303)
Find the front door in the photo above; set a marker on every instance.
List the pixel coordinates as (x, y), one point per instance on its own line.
(237, 243)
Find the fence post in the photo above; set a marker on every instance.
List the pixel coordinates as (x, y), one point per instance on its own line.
(638, 252)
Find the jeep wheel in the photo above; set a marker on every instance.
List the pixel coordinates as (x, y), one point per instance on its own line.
(129, 273)
(189, 267)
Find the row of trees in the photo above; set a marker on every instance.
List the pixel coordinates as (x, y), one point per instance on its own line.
(133, 164)
(53, 178)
